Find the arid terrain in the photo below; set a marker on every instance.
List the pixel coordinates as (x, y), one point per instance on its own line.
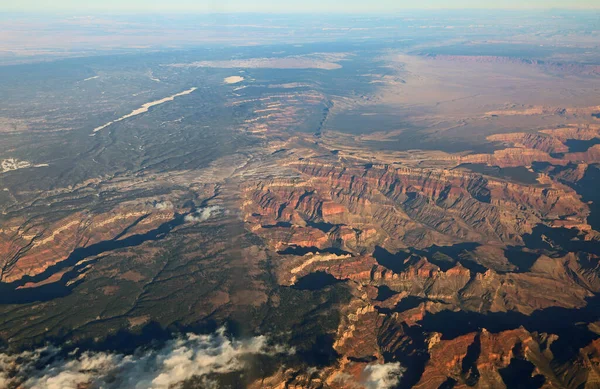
(360, 214)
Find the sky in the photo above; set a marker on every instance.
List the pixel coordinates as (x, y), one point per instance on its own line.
(351, 6)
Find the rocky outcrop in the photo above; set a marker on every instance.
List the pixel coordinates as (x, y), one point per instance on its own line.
(536, 141)
(31, 249)
(357, 208)
(563, 134)
(542, 146)
(486, 360)
(512, 157)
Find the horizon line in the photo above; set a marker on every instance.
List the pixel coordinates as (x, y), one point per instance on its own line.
(382, 12)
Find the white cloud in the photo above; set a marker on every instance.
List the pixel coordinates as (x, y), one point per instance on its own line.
(164, 205)
(383, 376)
(178, 360)
(204, 214)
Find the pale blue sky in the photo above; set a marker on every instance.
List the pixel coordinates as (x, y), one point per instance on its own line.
(281, 5)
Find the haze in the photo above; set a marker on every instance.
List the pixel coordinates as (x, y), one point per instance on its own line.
(280, 6)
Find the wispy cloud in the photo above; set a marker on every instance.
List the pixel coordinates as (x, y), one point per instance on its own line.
(178, 360)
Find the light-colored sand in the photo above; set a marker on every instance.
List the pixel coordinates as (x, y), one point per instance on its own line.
(266, 63)
(233, 79)
(151, 76)
(145, 108)
(7, 165)
(290, 85)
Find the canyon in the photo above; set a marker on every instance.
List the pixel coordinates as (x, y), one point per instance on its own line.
(405, 214)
